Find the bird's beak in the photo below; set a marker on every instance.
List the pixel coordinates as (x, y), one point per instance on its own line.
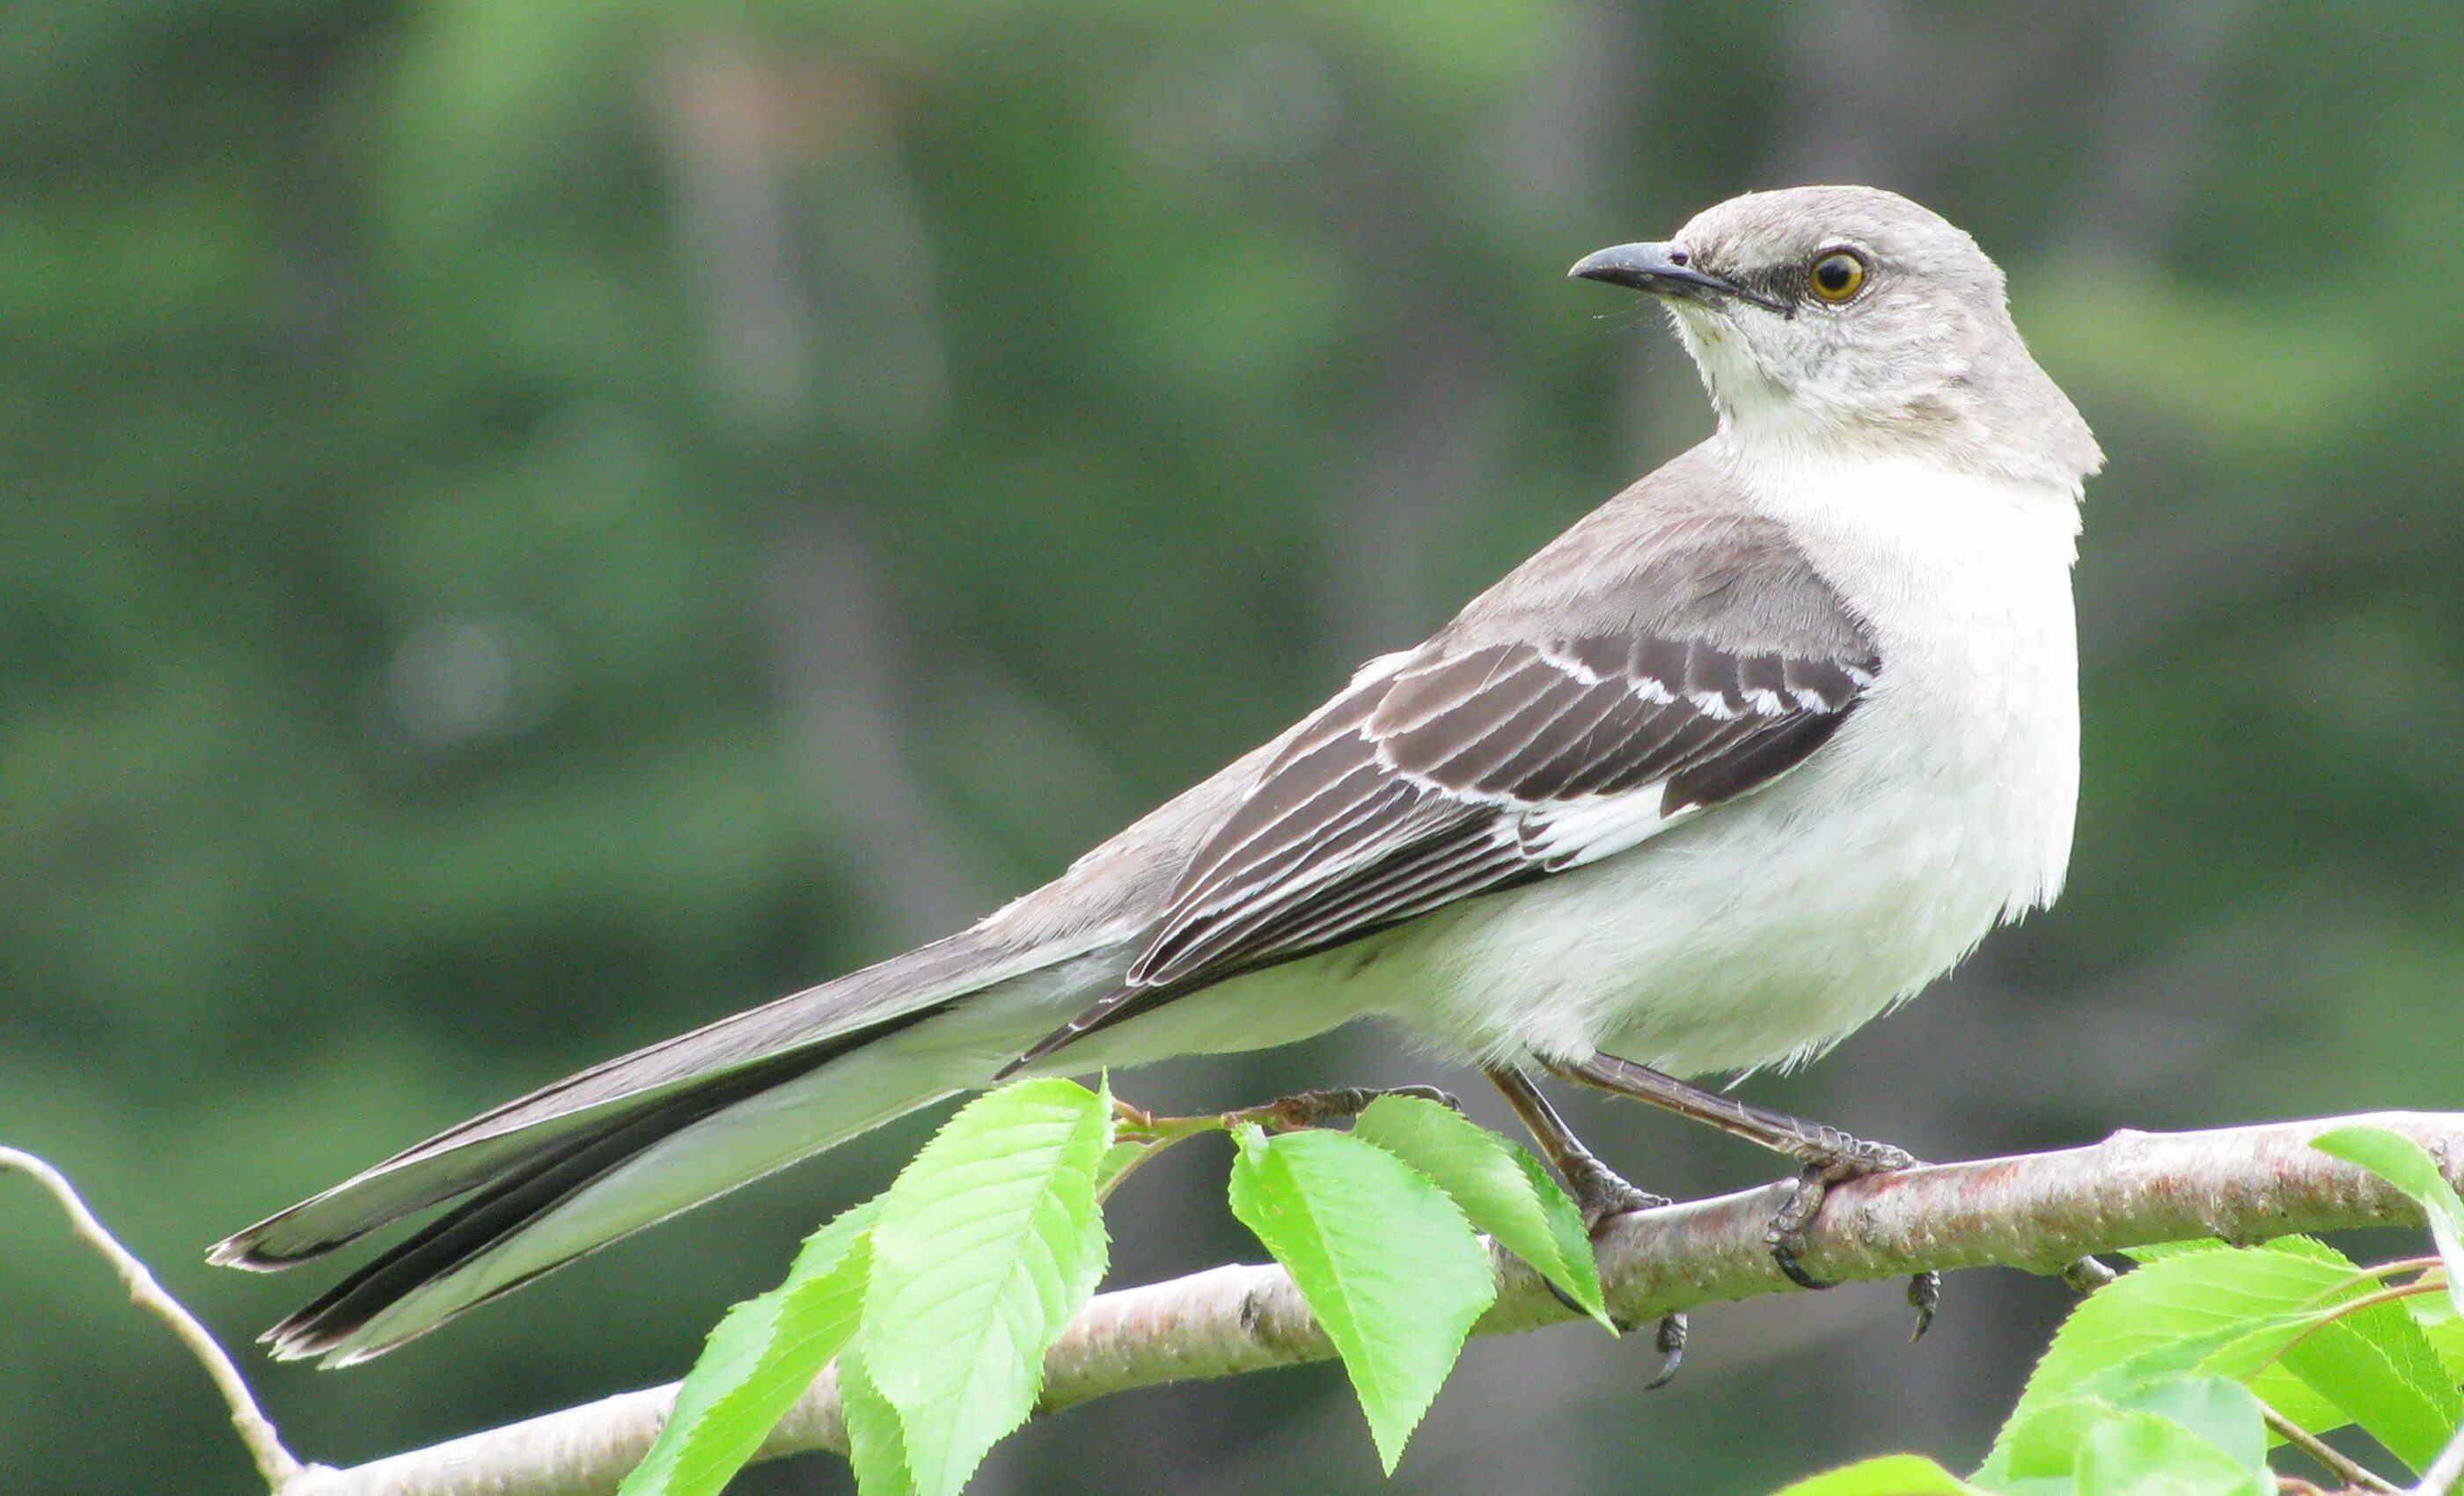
(1661, 269)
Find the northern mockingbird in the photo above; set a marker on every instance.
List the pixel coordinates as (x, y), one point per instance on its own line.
(1751, 754)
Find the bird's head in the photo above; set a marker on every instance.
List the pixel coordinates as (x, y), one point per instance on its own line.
(1848, 314)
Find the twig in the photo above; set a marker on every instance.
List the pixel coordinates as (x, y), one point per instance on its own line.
(264, 1445)
(2040, 1212)
(2335, 1461)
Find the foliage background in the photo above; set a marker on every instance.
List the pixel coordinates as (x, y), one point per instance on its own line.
(530, 523)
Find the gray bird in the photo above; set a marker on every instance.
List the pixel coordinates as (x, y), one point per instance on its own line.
(1753, 753)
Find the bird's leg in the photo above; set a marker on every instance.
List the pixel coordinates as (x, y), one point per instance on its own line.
(1595, 1187)
(1830, 1157)
(1601, 1193)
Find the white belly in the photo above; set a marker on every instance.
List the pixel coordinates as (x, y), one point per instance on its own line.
(1768, 928)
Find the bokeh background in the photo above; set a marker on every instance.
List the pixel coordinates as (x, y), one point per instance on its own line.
(532, 523)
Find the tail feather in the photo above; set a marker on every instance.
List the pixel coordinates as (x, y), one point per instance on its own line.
(567, 1170)
(518, 1134)
(520, 1197)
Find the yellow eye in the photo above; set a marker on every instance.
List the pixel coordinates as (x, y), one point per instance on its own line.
(1837, 276)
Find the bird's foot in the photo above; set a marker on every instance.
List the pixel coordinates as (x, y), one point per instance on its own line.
(1602, 1194)
(1845, 1158)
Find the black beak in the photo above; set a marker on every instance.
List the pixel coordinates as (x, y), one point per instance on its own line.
(1657, 268)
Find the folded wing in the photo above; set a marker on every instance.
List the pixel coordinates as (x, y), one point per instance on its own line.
(1496, 754)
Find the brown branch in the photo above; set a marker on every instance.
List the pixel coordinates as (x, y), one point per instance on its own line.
(2038, 1212)
(264, 1445)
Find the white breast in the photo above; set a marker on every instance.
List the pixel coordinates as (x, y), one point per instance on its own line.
(1768, 928)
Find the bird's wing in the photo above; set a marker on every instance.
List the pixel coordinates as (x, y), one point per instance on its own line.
(1512, 747)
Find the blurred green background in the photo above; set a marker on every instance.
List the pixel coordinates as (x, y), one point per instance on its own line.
(532, 523)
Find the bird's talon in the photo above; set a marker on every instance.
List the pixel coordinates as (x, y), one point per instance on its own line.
(1786, 1255)
(1925, 1292)
(1671, 1342)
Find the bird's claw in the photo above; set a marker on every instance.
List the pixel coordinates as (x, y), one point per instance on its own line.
(1786, 1235)
(1671, 1341)
(1924, 1294)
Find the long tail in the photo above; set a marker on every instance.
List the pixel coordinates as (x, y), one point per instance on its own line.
(572, 1167)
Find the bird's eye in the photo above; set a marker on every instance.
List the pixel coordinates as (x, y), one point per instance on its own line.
(1837, 276)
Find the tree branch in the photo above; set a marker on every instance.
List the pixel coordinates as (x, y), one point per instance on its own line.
(2037, 1212)
(264, 1445)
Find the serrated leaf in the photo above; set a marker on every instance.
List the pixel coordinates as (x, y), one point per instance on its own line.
(2227, 1313)
(2275, 1384)
(1500, 1187)
(988, 1242)
(2042, 1448)
(2372, 1365)
(2141, 1454)
(2381, 1372)
(759, 1361)
(876, 1442)
(2404, 1164)
(1884, 1475)
(1387, 1262)
(2443, 1328)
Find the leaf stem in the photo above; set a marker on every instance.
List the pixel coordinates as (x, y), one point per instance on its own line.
(1285, 1114)
(2334, 1460)
(2413, 1289)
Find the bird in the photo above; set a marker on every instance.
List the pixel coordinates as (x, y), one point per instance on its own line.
(1750, 755)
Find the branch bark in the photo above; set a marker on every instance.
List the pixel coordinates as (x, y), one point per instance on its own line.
(2037, 1212)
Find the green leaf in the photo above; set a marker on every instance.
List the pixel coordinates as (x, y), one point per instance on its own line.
(758, 1360)
(988, 1243)
(2232, 1312)
(2216, 1296)
(1386, 1260)
(2223, 1413)
(2382, 1373)
(2043, 1443)
(1502, 1189)
(2041, 1450)
(2225, 1313)
(2404, 1164)
(2443, 1328)
(2140, 1454)
(2274, 1384)
(2372, 1365)
(1884, 1475)
(876, 1442)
